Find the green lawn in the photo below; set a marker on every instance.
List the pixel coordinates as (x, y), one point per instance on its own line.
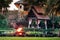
(29, 38)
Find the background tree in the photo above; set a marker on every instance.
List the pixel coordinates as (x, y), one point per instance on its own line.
(35, 2)
(4, 4)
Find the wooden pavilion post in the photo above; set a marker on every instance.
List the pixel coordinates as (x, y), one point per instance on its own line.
(30, 21)
(45, 26)
(38, 22)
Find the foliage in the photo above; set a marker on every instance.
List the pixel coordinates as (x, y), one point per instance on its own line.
(56, 21)
(58, 8)
(33, 23)
(34, 2)
(8, 1)
(2, 17)
(5, 3)
(50, 5)
(3, 21)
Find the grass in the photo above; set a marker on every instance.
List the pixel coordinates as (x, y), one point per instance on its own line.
(29, 38)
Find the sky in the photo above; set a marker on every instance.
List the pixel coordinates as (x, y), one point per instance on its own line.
(12, 6)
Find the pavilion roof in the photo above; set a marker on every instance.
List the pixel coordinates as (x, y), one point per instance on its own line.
(38, 12)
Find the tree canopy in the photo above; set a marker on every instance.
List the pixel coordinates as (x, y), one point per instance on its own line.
(35, 2)
(5, 3)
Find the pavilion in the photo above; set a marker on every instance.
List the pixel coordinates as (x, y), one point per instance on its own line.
(36, 13)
